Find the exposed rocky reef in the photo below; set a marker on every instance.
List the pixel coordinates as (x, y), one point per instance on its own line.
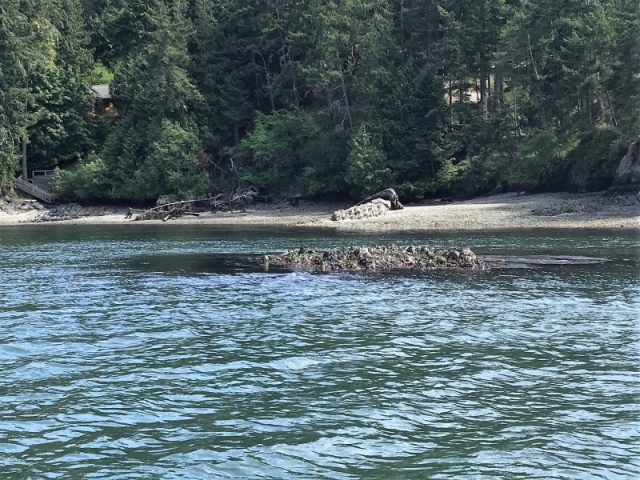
(390, 257)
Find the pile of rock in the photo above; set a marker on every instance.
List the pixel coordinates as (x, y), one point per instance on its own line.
(16, 205)
(70, 211)
(391, 257)
(375, 208)
(67, 211)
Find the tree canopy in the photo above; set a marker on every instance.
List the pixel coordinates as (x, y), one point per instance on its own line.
(430, 97)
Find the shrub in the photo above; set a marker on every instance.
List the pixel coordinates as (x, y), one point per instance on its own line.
(86, 182)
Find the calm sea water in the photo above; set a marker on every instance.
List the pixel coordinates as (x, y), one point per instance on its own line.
(147, 352)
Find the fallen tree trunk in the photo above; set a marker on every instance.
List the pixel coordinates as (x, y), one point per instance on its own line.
(166, 211)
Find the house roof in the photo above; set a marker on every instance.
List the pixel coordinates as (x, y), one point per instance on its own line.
(101, 91)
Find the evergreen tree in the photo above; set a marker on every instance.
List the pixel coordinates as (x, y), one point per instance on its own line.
(116, 27)
(227, 66)
(158, 97)
(27, 48)
(62, 98)
(429, 96)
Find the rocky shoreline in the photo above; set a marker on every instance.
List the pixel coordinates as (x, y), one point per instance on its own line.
(392, 257)
(71, 211)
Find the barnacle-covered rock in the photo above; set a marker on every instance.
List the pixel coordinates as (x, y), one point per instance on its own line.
(378, 258)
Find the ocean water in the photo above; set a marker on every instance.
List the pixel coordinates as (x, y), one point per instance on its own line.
(162, 352)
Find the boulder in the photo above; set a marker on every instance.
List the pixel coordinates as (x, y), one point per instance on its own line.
(374, 208)
(388, 194)
(628, 173)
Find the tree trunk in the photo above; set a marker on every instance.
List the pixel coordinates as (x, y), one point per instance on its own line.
(344, 93)
(498, 90)
(484, 93)
(25, 172)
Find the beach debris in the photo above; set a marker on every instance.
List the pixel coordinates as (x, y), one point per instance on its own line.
(164, 210)
(19, 205)
(391, 257)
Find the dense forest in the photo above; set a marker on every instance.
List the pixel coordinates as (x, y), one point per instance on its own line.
(317, 97)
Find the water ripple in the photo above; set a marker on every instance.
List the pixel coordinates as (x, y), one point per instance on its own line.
(111, 371)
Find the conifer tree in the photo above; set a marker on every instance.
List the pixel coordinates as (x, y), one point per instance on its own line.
(158, 96)
(27, 48)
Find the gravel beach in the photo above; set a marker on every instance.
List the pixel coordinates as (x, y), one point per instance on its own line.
(503, 211)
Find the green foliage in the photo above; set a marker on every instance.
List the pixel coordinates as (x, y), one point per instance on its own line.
(586, 161)
(8, 165)
(541, 161)
(490, 154)
(100, 75)
(171, 167)
(596, 157)
(366, 169)
(27, 47)
(289, 152)
(409, 123)
(161, 160)
(115, 27)
(448, 174)
(60, 136)
(87, 181)
(151, 150)
(436, 97)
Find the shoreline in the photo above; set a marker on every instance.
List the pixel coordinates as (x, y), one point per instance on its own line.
(498, 212)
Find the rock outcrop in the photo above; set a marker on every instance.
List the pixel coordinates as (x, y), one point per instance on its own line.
(388, 194)
(14, 206)
(374, 208)
(391, 257)
(628, 173)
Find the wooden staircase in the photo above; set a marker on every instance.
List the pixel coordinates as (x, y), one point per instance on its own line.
(34, 190)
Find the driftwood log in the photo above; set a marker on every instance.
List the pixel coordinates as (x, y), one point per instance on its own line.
(219, 203)
(388, 194)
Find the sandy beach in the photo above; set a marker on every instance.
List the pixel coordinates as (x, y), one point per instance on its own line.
(504, 211)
